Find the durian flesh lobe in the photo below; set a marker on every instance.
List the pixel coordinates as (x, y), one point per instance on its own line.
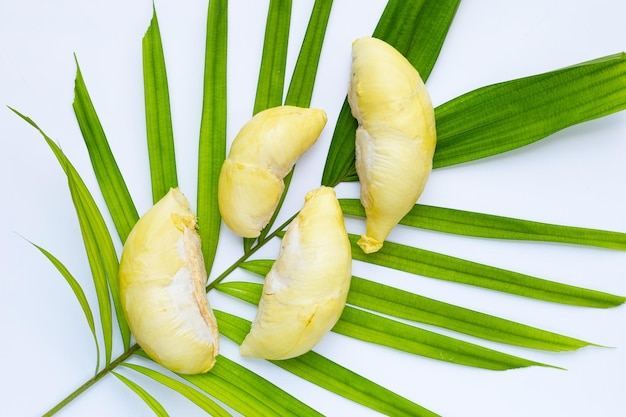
(261, 155)
(395, 139)
(306, 289)
(162, 281)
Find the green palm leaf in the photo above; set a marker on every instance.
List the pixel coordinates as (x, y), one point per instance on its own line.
(154, 405)
(212, 143)
(462, 222)
(110, 180)
(271, 83)
(79, 294)
(158, 118)
(449, 268)
(403, 304)
(516, 113)
(303, 79)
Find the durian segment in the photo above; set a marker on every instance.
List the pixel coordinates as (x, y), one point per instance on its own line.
(396, 137)
(261, 155)
(162, 280)
(306, 289)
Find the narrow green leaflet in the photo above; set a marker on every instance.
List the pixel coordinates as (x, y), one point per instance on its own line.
(110, 180)
(303, 79)
(99, 247)
(331, 376)
(154, 405)
(158, 116)
(429, 33)
(469, 223)
(449, 268)
(202, 401)
(508, 115)
(397, 23)
(79, 294)
(247, 392)
(417, 29)
(405, 305)
(271, 81)
(373, 328)
(212, 144)
(100, 253)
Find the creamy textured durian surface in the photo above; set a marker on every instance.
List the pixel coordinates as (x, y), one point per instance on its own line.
(261, 155)
(306, 289)
(395, 139)
(162, 281)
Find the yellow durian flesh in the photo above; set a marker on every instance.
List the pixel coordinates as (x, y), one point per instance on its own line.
(162, 281)
(396, 137)
(261, 155)
(306, 289)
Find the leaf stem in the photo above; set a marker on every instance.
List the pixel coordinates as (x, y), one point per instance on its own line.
(134, 348)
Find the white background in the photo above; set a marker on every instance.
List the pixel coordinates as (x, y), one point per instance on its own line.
(576, 177)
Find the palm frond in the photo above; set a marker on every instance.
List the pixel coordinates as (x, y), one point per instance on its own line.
(483, 122)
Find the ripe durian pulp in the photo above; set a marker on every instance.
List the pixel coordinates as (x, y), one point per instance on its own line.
(162, 281)
(395, 138)
(306, 289)
(261, 155)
